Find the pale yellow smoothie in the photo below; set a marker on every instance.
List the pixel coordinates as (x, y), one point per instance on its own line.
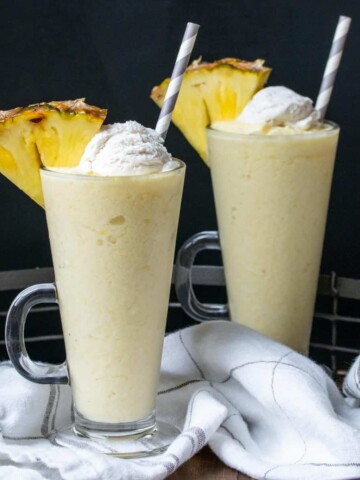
(112, 241)
(271, 193)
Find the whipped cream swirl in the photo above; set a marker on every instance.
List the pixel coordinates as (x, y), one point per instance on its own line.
(124, 149)
(279, 107)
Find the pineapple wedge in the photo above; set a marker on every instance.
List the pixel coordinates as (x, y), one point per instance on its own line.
(211, 92)
(46, 134)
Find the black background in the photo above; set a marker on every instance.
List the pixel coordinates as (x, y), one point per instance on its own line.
(114, 51)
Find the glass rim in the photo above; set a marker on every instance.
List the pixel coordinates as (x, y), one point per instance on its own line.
(84, 175)
(257, 136)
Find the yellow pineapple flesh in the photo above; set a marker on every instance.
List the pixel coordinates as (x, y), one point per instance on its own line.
(46, 134)
(212, 92)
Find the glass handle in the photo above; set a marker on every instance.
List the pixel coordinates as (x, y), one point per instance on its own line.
(15, 341)
(183, 285)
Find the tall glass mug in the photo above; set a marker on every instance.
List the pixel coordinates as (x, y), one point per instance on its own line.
(271, 196)
(112, 242)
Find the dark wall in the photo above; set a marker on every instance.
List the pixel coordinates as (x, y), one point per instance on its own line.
(113, 51)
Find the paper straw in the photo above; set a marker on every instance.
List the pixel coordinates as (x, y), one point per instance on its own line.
(172, 92)
(332, 65)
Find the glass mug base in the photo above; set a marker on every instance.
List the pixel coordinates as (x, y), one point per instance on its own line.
(142, 438)
(104, 431)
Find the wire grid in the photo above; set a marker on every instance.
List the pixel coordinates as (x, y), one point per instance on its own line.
(328, 344)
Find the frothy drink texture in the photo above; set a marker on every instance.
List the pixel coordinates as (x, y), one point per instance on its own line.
(271, 171)
(112, 224)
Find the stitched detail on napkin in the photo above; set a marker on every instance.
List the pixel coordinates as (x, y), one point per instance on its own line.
(181, 385)
(238, 367)
(199, 441)
(233, 436)
(171, 466)
(52, 473)
(314, 464)
(190, 355)
(280, 362)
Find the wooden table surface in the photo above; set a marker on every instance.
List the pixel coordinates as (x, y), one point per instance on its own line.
(206, 466)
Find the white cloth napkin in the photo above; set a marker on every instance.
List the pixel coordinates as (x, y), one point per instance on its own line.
(351, 385)
(263, 409)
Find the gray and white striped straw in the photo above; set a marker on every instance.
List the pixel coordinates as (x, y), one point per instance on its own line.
(332, 65)
(172, 92)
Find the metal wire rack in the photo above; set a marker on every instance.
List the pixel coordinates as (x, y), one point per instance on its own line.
(336, 331)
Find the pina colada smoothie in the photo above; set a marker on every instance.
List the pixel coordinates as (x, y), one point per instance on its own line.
(271, 173)
(112, 224)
